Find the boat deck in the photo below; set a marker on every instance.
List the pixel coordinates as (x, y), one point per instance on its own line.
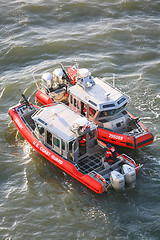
(90, 163)
(93, 164)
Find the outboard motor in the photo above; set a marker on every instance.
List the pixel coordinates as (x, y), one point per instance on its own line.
(58, 76)
(47, 80)
(117, 180)
(129, 174)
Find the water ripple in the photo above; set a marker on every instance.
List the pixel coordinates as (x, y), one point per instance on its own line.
(108, 37)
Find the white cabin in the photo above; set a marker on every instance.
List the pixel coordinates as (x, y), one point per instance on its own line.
(100, 102)
(62, 129)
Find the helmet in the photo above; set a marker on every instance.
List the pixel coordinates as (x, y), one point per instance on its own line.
(109, 145)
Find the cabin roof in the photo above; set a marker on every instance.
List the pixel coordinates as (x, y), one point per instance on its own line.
(58, 119)
(101, 95)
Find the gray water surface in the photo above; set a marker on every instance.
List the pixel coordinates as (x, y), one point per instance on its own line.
(37, 200)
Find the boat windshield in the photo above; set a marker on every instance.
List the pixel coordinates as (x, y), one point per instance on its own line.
(41, 129)
(111, 112)
(107, 113)
(119, 109)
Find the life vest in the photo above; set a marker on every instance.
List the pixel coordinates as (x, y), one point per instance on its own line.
(111, 154)
(84, 110)
(83, 141)
(91, 112)
(108, 154)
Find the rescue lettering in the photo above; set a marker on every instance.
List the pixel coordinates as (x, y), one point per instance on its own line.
(47, 153)
(56, 159)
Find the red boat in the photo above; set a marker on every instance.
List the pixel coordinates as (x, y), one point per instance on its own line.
(69, 141)
(98, 101)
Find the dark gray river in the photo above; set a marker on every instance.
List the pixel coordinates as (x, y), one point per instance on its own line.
(37, 200)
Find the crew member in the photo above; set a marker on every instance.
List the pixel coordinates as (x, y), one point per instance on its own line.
(82, 141)
(111, 155)
(85, 110)
(82, 145)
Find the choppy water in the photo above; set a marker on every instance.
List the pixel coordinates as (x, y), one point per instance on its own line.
(37, 200)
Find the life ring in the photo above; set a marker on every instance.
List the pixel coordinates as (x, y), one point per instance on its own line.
(98, 176)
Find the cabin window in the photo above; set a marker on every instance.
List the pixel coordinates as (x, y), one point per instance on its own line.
(119, 109)
(83, 109)
(63, 145)
(108, 105)
(118, 124)
(76, 103)
(121, 100)
(107, 113)
(91, 112)
(70, 146)
(93, 103)
(43, 122)
(41, 129)
(71, 99)
(56, 142)
(124, 112)
(75, 145)
(49, 138)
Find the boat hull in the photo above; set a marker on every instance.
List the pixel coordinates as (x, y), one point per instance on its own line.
(123, 140)
(55, 159)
